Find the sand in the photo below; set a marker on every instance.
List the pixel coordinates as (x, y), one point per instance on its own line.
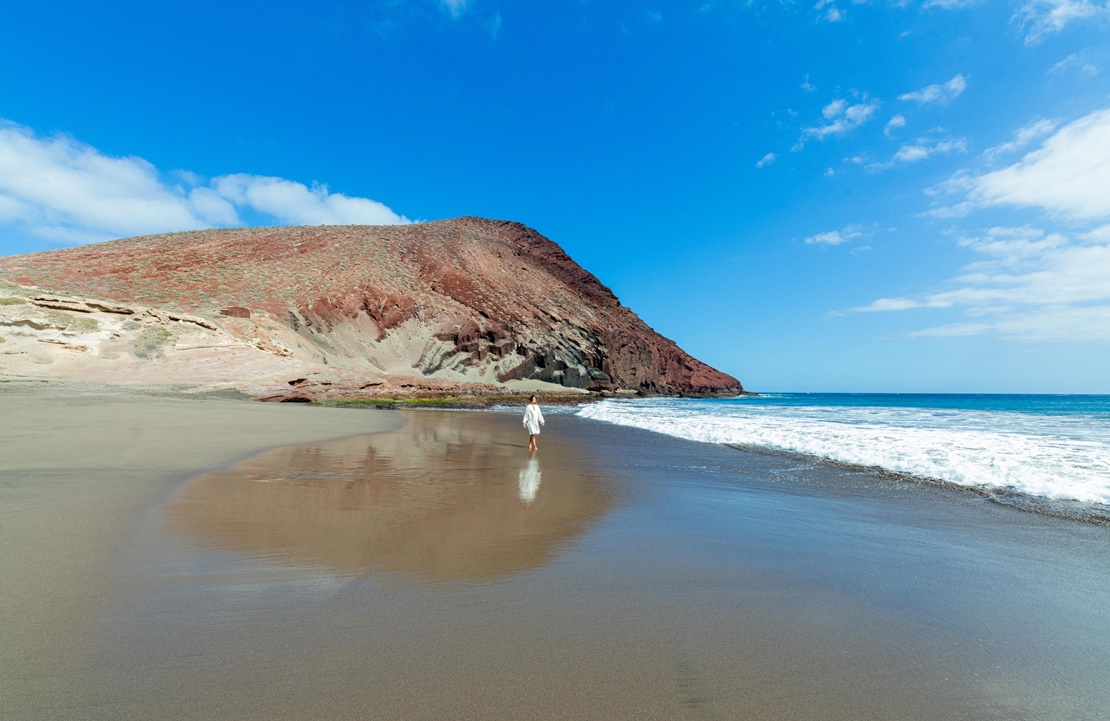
(77, 464)
(203, 559)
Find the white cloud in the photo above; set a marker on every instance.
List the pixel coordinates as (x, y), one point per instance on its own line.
(66, 188)
(1079, 62)
(455, 7)
(187, 176)
(911, 153)
(293, 203)
(1040, 18)
(66, 191)
(211, 208)
(923, 148)
(834, 108)
(765, 160)
(833, 14)
(1027, 284)
(859, 114)
(835, 237)
(842, 117)
(888, 304)
(1023, 136)
(1069, 175)
(807, 86)
(10, 209)
(952, 330)
(898, 121)
(938, 93)
(949, 4)
(1098, 235)
(1011, 247)
(957, 210)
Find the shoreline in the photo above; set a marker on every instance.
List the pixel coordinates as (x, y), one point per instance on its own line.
(1096, 514)
(1065, 509)
(1078, 511)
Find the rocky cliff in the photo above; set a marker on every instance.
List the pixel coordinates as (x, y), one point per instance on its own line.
(442, 304)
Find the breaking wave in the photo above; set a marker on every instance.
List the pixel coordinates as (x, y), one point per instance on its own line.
(1057, 455)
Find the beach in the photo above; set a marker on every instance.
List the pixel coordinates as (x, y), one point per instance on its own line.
(199, 558)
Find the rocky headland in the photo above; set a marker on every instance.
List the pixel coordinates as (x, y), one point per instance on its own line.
(468, 305)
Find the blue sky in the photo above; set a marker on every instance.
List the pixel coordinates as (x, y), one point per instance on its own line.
(828, 196)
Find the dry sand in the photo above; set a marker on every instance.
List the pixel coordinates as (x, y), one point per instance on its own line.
(437, 570)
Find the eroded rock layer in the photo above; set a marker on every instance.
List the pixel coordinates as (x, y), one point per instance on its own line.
(465, 300)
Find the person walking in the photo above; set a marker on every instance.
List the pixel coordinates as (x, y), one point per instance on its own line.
(533, 419)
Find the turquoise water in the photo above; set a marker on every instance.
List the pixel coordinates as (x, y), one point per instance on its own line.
(1051, 446)
(1092, 405)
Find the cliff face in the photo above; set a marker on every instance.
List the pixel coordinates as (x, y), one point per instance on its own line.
(465, 301)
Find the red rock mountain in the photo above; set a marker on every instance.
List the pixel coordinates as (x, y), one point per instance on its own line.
(464, 300)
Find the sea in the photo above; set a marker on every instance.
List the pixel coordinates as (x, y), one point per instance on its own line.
(1040, 446)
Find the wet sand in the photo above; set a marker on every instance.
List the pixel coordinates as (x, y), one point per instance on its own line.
(78, 464)
(437, 570)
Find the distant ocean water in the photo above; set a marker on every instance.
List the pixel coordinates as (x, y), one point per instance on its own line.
(1051, 446)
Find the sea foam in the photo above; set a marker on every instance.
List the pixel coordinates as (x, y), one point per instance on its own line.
(1053, 456)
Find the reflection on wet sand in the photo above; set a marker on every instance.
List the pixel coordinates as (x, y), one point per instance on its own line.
(529, 481)
(449, 496)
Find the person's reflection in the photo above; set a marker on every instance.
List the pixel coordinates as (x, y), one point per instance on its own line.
(432, 499)
(530, 479)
